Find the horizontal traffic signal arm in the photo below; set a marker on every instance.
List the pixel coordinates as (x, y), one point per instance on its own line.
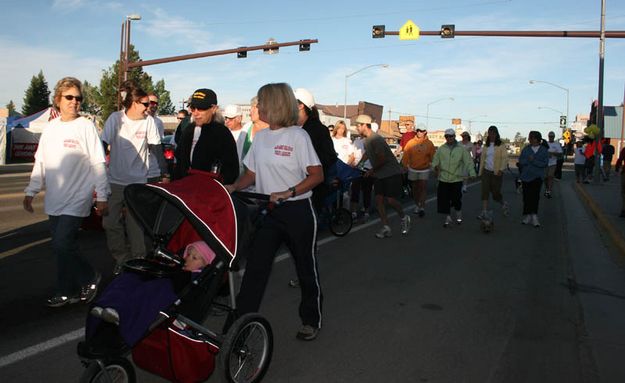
(219, 53)
(592, 34)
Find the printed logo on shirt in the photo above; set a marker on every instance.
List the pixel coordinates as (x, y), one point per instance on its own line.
(70, 143)
(140, 135)
(283, 150)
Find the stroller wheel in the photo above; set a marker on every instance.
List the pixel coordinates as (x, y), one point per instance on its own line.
(118, 370)
(245, 354)
(341, 222)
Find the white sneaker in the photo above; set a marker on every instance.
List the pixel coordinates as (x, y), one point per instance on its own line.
(405, 224)
(505, 209)
(459, 217)
(385, 231)
(526, 219)
(448, 221)
(464, 188)
(535, 220)
(416, 210)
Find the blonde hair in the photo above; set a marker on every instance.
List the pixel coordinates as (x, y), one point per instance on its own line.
(336, 128)
(64, 84)
(278, 104)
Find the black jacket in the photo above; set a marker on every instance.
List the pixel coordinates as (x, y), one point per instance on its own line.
(322, 142)
(215, 144)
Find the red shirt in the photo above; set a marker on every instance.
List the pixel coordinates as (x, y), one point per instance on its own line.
(405, 138)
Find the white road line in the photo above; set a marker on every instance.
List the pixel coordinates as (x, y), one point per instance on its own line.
(76, 334)
(23, 247)
(41, 347)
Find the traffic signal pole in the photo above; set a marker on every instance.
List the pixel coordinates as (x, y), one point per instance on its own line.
(577, 34)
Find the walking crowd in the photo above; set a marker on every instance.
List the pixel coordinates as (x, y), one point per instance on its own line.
(72, 164)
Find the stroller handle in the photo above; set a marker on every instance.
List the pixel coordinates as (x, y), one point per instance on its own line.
(250, 195)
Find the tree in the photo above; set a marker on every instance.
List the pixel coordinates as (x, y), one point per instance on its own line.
(37, 96)
(91, 95)
(11, 108)
(164, 101)
(519, 140)
(109, 91)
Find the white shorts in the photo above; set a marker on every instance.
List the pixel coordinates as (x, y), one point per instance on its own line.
(416, 175)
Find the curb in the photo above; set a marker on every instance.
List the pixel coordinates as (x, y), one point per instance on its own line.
(604, 222)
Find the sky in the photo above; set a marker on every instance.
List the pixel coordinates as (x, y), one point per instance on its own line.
(487, 77)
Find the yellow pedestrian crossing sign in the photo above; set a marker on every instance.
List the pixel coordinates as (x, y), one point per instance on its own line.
(409, 31)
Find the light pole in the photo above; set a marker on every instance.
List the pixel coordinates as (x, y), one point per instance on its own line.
(427, 109)
(123, 53)
(350, 75)
(470, 120)
(561, 87)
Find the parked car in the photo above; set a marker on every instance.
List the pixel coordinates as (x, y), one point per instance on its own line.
(169, 145)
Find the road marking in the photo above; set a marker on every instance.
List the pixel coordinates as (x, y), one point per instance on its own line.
(76, 334)
(41, 347)
(11, 252)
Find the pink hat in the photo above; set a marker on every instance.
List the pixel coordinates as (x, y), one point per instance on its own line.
(207, 253)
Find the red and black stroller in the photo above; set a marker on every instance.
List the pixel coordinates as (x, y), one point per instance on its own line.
(176, 345)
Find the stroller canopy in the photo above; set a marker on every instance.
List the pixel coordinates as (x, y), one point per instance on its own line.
(193, 208)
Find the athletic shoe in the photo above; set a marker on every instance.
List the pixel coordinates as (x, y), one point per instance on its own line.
(365, 217)
(535, 220)
(354, 215)
(448, 221)
(61, 300)
(405, 224)
(526, 219)
(110, 315)
(458, 217)
(505, 208)
(464, 188)
(88, 292)
(416, 210)
(307, 333)
(482, 215)
(385, 231)
(97, 311)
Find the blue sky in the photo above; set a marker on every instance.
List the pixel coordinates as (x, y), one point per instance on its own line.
(487, 76)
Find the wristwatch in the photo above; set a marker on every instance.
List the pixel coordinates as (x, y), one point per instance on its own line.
(292, 190)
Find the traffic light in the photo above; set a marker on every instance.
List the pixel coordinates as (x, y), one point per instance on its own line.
(304, 47)
(378, 31)
(448, 31)
(241, 54)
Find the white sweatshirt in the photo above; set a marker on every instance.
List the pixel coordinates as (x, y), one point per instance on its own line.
(70, 164)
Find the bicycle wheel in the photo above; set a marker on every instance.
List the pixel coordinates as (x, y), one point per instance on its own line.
(341, 222)
(245, 354)
(118, 370)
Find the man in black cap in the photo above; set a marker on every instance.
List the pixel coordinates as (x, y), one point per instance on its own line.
(206, 143)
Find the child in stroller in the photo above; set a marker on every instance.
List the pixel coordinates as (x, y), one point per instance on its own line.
(132, 301)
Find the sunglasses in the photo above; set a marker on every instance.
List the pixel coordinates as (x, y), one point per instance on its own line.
(193, 109)
(146, 104)
(420, 130)
(153, 103)
(449, 136)
(179, 118)
(70, 97)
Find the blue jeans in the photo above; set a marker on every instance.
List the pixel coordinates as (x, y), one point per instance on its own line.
(73, 271)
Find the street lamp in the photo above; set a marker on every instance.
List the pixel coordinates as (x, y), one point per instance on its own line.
(123, 53)
(555, 110)
(427, 112)
(350, 75)
(557, 86)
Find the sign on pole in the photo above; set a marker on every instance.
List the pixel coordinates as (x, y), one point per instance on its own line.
(562, 122)
(409, 31)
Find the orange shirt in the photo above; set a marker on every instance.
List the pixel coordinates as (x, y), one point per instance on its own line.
(418, 153)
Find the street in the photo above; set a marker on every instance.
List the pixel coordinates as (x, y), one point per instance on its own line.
(437, 305)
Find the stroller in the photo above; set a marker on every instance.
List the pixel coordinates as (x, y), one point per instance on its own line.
(176, 345)
(340, 218)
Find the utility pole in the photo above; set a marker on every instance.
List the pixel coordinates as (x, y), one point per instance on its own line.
(597, 168)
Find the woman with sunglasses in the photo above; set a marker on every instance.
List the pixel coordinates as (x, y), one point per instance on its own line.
(69, 161)
(282, 162)
(132, 137)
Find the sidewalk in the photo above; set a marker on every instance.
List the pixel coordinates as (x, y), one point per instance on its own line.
(604, 200)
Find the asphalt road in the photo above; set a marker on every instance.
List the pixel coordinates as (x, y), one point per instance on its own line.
(436, 305)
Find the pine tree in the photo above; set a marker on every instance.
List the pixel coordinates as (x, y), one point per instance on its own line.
(165, 106)
(12, 110)
(90, 95)
(109, 91)
(37, 96)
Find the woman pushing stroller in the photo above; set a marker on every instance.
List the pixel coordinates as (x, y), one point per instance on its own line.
(283, 164)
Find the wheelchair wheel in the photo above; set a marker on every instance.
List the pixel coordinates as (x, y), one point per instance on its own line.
(245, 354)
(118, 370)
(341, 222)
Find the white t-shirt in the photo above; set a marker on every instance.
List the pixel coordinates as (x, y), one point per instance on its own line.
(489, 164)
(580, 158)
(359, 145)
(343, 147)
(279, 159)
(197, 132)
(554, 147)
(155, 170)
(129, 140)
(239, 137)
(70, 163)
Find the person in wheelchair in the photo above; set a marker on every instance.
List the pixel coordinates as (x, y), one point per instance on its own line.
(132, 300)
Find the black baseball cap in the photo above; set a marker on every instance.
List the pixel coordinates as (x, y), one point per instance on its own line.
(203, 99)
